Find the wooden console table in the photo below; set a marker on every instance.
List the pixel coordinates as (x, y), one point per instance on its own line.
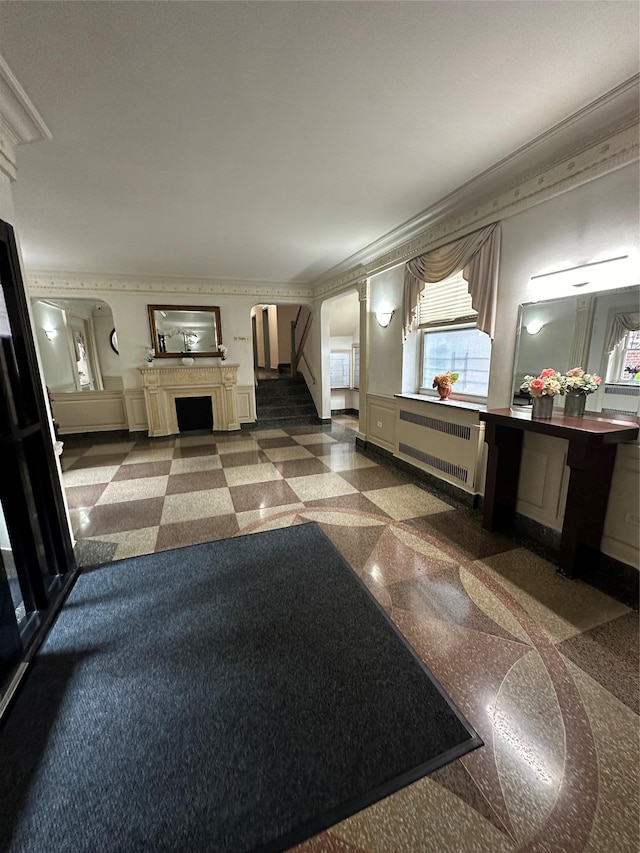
(591, 457)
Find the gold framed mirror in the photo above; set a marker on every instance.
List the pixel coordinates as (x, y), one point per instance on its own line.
(179, 330)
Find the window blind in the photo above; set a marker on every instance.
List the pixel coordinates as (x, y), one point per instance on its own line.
(445, 302)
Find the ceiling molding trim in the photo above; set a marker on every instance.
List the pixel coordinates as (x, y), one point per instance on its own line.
(607, 156)
(604, 118)
(43, 283)
(18, 111)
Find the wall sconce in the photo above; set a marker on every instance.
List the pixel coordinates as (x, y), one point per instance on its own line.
(534, 326)
(50, 334)
(384, 318)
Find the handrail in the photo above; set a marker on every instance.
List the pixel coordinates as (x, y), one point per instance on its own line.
(313, 378)
(297, 348)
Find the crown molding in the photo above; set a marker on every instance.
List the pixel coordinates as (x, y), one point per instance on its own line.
(605, 118)
(17, 111)
(47, 283)
(608, 155)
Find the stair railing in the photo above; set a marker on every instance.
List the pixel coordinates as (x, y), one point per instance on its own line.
(299, 332)
(311, 373)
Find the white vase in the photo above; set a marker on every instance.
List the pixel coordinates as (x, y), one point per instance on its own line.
(188, 360)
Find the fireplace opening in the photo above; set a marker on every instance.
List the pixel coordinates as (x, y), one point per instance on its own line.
(194, 413)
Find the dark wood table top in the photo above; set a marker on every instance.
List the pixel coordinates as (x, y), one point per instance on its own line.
(593, 427)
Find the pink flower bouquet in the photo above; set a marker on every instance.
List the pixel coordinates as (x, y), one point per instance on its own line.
(576, 381)
(548, 384)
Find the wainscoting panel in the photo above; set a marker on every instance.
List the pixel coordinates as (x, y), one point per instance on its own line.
(246, 401)
(136, 409)
(90, 411)
(621, 536)
(542, 484)
(381, 421)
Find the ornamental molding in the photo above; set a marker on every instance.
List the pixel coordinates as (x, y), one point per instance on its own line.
(20, 121)
(43, 283)
(607, 156)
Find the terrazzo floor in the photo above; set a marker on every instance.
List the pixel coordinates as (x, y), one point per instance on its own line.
(545, 669)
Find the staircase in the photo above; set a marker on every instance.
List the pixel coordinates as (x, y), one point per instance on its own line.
(284, 402)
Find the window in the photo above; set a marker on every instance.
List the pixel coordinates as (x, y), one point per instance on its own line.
(466, 351)
(340, 369)
(355, 382)
(450, 340)
(631, 358)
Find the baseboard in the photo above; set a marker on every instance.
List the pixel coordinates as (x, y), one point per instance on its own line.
(420, 478)
(354, 412)
(610, 576)
(104, 436)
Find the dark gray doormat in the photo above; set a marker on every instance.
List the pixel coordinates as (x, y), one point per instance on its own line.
(234, 696)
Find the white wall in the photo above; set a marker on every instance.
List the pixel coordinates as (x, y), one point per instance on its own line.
(385, 345)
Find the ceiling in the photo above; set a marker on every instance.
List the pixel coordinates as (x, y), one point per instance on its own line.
(269, 141)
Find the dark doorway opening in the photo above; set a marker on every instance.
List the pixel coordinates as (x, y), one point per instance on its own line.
(194, 413)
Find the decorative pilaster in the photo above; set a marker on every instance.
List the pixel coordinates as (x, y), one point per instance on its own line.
(581, 332)
(364, 298)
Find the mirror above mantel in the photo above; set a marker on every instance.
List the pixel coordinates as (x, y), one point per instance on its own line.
(178, 330)
(571, 332)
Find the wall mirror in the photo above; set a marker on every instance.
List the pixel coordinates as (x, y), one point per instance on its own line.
(574, 331)
(176, 330)
(77, 342)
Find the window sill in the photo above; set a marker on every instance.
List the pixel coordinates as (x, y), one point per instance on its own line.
(450, 402)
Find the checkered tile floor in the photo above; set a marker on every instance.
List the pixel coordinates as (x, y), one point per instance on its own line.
(544, 668)
(148, 495)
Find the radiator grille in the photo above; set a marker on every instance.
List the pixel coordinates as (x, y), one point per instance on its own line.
(617, 412)
(449, 468)
(622, 390)
(458, 430)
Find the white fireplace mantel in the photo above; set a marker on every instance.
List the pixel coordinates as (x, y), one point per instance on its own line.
(163, 384)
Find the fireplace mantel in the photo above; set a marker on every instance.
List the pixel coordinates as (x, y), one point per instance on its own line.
(163, 384)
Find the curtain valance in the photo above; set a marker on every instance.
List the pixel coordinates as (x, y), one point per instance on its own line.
(478, 255)
(621, 325)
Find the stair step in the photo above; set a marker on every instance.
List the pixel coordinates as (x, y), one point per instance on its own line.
(285, 401)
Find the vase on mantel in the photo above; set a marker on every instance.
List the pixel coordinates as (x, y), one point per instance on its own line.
(188, 360)
(542, 407)
(574, 404)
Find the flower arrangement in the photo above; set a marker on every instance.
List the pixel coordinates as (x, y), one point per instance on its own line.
(576, 381)
(150, 354)
(445, 380)
(632, 370)
(548, 384)
(223, 350)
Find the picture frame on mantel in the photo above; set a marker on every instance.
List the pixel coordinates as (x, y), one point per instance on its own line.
(185, 331)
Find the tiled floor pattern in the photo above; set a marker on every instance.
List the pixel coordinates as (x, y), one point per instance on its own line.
(546, 669)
